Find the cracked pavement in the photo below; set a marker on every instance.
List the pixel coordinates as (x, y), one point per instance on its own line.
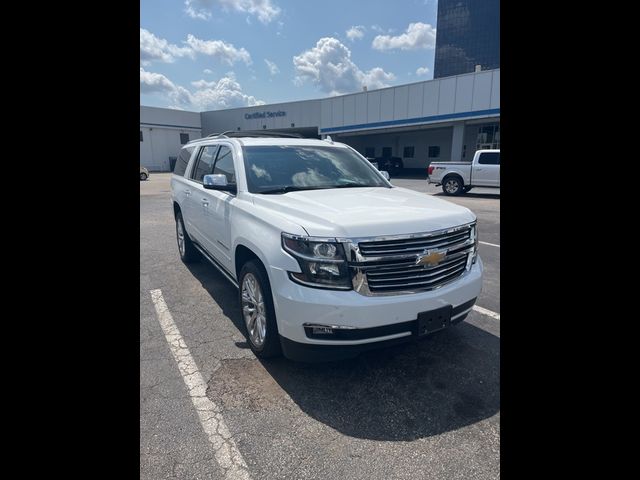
(429, 409)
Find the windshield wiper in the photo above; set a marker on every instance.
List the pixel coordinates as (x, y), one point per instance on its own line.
(288, 188)
(352, 185)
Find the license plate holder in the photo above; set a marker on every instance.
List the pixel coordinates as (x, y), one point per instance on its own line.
(434, 320)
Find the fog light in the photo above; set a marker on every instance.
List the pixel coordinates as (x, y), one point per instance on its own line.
(322, 330)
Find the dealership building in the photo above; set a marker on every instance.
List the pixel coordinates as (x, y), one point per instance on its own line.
(435, 120)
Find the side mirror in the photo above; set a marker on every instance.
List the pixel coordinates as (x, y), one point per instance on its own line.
(218, 182)
(385, 174)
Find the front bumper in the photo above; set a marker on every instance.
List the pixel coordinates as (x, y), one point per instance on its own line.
(372, 319)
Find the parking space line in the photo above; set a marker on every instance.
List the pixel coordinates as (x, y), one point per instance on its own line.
(484, 311)
(226, 452)
(487, 243)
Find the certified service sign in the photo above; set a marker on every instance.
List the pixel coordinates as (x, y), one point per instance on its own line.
(279, 113)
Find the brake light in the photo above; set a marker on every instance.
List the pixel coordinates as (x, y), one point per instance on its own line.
(430, 170)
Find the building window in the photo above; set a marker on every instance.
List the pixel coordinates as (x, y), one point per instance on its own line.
(408, 152)
(370, 152)
(141, 136)
(386, 152)
(434, 151)
(488, 137)
(184, 138)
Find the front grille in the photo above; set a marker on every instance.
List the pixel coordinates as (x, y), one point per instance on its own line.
(415, 245)
(390, 265)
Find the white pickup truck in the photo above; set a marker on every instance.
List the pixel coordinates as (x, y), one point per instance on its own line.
(320, 274)
(457, 178)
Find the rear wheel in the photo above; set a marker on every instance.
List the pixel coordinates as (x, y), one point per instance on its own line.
(258, 313)
(188, 252)
(452, 185)
(143, 176)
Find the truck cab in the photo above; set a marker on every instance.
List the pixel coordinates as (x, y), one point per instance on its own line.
(457, 178)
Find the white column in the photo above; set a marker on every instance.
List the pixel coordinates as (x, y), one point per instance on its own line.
(457, 140)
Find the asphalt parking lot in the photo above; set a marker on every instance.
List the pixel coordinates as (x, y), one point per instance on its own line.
(429, 409)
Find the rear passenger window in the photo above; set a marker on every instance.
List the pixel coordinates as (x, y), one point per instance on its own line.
(183, 161)
(489, 158)
(204, 166)
(224, 164)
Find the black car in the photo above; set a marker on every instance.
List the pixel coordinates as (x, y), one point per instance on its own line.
(393, 165)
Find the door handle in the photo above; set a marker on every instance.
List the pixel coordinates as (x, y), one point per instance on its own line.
(478, 169)
(187, 192)
(205, 202)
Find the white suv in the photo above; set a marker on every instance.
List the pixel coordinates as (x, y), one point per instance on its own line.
(321, 274)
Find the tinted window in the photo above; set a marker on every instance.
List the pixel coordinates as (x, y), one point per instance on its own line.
(408, 152)
(306, 167)
(205, 162)
(141, 135)
(224, 164)
(489, 158)
(434, 152)
(370, 152)
(183, 161)
(184, 138)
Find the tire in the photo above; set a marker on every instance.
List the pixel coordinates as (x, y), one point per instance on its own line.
(188, 253)
(263, 339)
(143, 176)
(452, 185)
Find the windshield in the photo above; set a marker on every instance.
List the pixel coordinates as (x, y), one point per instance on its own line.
(282, 168)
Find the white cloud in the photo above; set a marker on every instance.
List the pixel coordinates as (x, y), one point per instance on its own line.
(207, 71)
(224, 93)
(355, 33)
(273, 68)
(154, 82)
(329, 66)
(264, 10)
(418, 35)
(223, 51)
(153, 48)
(422, 71)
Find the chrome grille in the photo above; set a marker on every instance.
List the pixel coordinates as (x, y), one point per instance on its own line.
(409, 276)
(414, 245)
(388, 265)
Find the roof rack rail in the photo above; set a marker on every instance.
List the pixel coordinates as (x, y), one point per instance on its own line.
(254, 133)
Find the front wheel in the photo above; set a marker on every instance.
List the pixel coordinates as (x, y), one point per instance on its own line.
(143, 176)
(452, 186)
(258, 313)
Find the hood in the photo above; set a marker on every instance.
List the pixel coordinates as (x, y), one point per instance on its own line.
(364, 212)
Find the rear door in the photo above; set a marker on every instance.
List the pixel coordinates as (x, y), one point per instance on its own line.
(217, 209)
(203, 166)
(486, 171)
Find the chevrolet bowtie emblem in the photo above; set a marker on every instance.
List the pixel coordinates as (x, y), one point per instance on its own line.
(431, 257)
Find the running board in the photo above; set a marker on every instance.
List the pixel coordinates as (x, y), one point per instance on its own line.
(213, 262)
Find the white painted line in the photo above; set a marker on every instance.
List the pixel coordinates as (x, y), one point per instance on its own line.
(226, 452)
(484, 311)
(487, 243)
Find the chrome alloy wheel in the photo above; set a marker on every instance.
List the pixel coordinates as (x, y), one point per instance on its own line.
(253, 309)
(180, 233)
(451, 186)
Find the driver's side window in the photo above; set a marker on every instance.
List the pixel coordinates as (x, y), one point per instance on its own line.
(204, 165)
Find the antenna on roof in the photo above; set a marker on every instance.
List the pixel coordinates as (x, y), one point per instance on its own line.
(328, 139)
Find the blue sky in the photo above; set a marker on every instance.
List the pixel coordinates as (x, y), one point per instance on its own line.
(212, 54)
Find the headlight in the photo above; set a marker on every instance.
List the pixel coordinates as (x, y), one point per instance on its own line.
(322, 261)
(474, 237)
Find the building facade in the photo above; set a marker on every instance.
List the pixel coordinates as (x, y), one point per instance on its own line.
(468, 36)
(163, 131)
(434, 120)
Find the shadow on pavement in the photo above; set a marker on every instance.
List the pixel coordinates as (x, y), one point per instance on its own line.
(415, 390)
(495, 196)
